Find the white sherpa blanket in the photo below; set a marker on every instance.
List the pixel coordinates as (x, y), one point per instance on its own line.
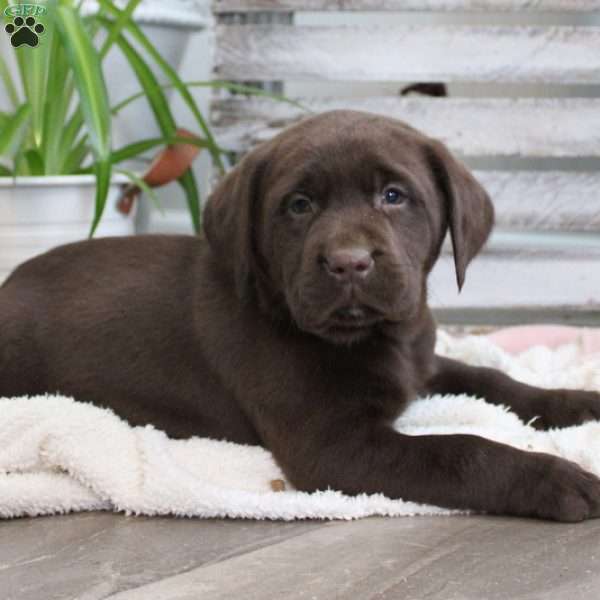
(58, 455)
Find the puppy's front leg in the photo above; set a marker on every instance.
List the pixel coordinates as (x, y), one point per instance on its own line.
(457, 471)
(550, 408)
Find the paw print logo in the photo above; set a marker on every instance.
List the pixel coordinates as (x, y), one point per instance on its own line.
(24, 31)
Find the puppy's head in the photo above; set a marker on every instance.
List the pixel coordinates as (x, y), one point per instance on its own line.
(338, 221)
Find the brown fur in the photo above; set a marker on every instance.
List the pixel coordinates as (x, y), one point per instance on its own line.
(270, 331)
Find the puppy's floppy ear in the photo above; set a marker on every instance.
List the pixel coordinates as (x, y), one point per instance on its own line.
(469, 210)
(230, 218)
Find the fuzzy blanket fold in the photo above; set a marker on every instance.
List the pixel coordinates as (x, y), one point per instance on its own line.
(58, 455)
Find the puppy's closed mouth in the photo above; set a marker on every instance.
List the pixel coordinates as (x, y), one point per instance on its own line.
(355, 314)
(352, 321)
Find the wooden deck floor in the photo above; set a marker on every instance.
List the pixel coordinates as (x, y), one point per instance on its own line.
(96, 556)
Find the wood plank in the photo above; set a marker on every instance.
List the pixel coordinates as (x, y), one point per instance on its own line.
(532, 54)
(426, 557)
(243, 6)
(544, 200)
(520, 278)
(72, 556)
(502, 317)
(531, 127)
(518, 282)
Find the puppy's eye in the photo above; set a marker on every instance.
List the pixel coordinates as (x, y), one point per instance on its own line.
(300, 205)
(394, 195)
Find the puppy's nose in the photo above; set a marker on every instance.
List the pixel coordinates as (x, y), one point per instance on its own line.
(347, 263)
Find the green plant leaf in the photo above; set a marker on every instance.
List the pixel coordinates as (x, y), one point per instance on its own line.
(35, 162)
(33, 66)
(165, 120)
(9, 85)
(59, 95)
(113, 32)
(89, 80)
(14, 131)
(69, 135)
(239, 88)
(76, 156)
(188, 182)
(5, 171)
(171, 74)
(155, 96)
(103, 172)
(71, 131)
(93, 98)
(136, 148)
(144, 187)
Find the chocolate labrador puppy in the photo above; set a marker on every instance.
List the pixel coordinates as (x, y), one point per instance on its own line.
(300, 322)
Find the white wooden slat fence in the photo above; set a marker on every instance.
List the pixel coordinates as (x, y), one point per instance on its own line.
(539, 277)
(409, 53)
(528, 127)
(546, 201)
(245, 6)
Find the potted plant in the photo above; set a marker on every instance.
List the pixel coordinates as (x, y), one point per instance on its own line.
(59, 173)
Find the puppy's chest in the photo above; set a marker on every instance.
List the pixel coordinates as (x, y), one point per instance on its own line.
(381, 386)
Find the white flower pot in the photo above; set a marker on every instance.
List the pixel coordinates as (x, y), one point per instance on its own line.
(39, 213)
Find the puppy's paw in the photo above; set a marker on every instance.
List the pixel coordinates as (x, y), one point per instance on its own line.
(556, 489)
(563, 408)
